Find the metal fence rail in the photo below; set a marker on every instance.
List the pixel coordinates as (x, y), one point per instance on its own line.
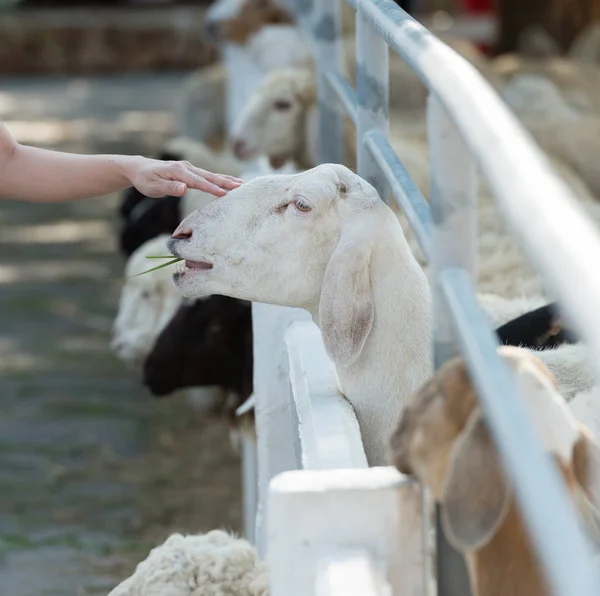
(469, 126)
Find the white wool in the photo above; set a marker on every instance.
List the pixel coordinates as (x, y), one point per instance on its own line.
(212, 564)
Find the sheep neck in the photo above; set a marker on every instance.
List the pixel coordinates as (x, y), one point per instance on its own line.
(396, 359)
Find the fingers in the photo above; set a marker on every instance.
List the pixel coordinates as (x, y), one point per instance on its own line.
(222, 180)
(174, 189)
(194, 181)
(177, 177)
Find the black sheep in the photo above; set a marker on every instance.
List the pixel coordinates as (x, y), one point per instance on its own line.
(148, 220)
(207, 342)
(538, 329)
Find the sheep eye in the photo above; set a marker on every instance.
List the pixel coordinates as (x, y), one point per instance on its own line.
(145, 294)
(282, 104)
(301, 206)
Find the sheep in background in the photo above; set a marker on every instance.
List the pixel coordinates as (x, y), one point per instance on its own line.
(236, 21)
(442, 438)
(324, 241)
(207, 342)
(198, 565)
(579, 82)
(541, 328)
(149, 219)
(200, 105)
(146, 304)
(557, 126)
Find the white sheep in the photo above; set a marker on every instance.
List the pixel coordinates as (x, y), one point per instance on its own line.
(212, 564)
(324, 241)
(146, 304)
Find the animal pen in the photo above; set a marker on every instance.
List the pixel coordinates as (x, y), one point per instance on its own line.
(330, 524)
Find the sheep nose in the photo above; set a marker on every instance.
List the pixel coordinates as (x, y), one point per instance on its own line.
(239, 148)
(182, 234)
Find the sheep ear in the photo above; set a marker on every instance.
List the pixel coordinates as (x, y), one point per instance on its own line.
(346, 308)
(476, 496)
(586, 466)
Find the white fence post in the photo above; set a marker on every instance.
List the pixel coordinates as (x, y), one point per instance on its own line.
(453, 181)
(277, 441)
(315, 515)
(372, 91)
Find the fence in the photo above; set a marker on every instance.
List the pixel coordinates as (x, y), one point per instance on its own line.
(330, 524)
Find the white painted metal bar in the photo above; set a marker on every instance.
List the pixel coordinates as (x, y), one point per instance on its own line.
(277, 440)
(372, 92)
(327, 32)
(403, 189)
(329, 433)
(453, 183)
(548, 511)
(317, 513)
(345, 94)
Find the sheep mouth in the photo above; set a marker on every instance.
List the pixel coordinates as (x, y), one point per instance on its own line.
(197, 265)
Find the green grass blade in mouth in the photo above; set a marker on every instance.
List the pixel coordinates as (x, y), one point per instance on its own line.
(171, 262)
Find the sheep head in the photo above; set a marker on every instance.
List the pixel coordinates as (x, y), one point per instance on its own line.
(273, 121)
(303, 240)
(443, 439)
(234, 21)
(147, 303)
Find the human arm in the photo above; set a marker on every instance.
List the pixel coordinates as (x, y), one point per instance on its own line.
(43, 176)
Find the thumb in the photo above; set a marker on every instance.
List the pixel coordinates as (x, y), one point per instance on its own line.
(175, 189)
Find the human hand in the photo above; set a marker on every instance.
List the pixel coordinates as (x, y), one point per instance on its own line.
(155, 178)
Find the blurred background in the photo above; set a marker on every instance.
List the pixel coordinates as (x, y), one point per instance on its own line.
(94, 471)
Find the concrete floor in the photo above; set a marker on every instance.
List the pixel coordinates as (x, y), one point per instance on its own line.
(93, 471)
